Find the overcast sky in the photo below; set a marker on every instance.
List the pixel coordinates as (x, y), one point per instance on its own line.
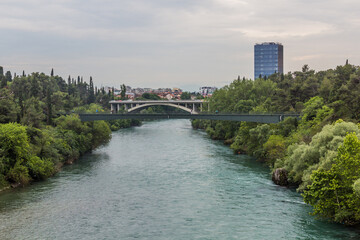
(173, 43)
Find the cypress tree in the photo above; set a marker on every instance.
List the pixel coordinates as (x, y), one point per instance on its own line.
(8, 76)
(123, 91)
(23, 73)
(52, 72)
(3, 82)
(91, 98)
(1, 71)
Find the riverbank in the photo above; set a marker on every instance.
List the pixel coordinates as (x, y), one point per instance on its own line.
(33, 154)
(185, 187)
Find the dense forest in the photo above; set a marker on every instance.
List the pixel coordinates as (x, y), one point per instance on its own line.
(39, 127)
(318, 153)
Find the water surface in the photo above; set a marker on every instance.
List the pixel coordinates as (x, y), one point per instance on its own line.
(162, 180)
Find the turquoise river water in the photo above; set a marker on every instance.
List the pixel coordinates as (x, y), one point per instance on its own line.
(162, 180)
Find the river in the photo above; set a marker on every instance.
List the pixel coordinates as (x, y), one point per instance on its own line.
(162, 180)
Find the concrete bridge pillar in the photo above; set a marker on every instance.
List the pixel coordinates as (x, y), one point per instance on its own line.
(112, 107)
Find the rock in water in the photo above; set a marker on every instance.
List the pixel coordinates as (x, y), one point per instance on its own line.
(279, 177)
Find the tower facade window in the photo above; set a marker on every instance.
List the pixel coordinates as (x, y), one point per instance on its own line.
(268, 59)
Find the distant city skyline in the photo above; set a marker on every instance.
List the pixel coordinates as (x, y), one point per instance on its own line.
(184, 44)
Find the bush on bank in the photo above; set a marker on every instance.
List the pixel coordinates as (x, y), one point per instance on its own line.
(29, 153)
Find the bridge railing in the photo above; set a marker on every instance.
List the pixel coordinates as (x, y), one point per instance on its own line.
(261, 118)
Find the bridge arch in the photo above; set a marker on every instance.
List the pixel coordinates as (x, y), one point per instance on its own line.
(190, 106)
(138, 107)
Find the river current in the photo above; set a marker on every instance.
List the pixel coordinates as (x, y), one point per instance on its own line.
(162, 180)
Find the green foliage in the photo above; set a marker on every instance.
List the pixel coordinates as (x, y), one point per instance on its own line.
(332, 191)
(8, 108)
(356, 187)
(14, 145)
(247, 136)
(149, 96)
(123, 91)
(275, 148)
(318, 154)
(91, 108)
(101, 133)
(40, 169)
(33, 113)
(18, 174)
(303, 146)
(185, 96)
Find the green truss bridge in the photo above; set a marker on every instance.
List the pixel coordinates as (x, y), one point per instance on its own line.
(260, 118)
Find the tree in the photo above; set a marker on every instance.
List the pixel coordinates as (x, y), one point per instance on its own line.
(8, 109)
(123, 91)
(35, 87)
(49, 106)
(3, 82)
(91, 94)
(150, 96)
(185, 95)
(15, 151)
(332, 192)
(52, 72)
(33, 113)
(320, 153)
(8, 76)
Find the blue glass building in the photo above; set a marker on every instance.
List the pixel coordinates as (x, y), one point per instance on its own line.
(268, 58)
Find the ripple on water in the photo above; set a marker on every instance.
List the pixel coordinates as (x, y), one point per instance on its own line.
(162, 180)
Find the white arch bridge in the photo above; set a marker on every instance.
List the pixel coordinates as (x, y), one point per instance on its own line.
(191, 106)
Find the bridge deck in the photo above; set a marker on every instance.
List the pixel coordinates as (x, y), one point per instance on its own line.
(260, 118)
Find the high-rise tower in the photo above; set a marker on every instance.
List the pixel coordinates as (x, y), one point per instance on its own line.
(268, 59)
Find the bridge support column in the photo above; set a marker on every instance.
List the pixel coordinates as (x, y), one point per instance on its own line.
(118, 108)
(126, 106)
(112, 108)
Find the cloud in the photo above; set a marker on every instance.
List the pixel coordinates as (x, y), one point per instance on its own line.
(170, 40)
(307, 57)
